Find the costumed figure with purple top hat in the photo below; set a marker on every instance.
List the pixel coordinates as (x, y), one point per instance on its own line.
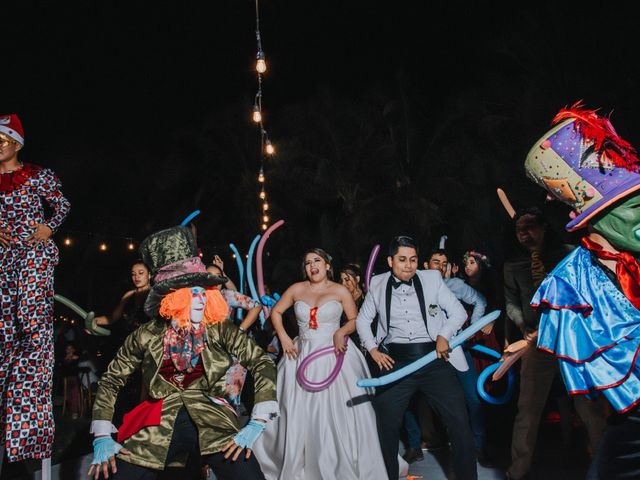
(590, 303)
(183, 354)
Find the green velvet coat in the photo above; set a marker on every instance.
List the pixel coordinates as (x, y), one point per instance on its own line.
(216, 424)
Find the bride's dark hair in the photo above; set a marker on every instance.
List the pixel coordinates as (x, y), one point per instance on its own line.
(323, 255)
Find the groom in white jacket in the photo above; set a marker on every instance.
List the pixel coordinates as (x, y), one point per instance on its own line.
(416, 314)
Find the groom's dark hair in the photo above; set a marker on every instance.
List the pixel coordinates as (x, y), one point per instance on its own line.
(401, 241)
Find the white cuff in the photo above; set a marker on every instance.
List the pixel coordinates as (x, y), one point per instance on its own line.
(265, 411)
(446, 332)
(101, 428)
(370, 345)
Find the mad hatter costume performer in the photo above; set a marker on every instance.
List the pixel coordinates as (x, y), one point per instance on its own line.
(183, 353)
(28, 256)
(590, 303)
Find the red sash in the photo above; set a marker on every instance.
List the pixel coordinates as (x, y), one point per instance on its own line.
(147, 414)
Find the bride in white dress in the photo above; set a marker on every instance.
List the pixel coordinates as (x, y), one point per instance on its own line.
(330, 434)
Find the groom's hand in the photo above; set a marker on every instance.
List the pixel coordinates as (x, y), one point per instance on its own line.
(383, 360)
(442, 348)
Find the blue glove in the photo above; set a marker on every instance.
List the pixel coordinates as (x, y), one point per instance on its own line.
(105, 448)
(246, 437)
(268, 301)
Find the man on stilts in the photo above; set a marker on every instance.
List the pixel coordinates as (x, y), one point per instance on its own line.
(28, 256)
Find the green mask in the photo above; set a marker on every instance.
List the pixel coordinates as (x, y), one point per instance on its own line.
(621, 225)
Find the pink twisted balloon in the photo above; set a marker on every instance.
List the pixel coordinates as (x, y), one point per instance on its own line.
(259, 273)
(369, 271)
(318, 386)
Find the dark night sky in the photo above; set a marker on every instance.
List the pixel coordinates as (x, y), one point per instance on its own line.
(134, 103)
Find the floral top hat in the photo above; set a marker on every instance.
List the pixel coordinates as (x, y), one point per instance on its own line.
(584, 163)
(172, 256)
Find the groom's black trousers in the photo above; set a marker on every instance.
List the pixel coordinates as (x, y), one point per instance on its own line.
(441, 388)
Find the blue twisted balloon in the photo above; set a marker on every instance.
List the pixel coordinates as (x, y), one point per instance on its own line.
(416, 365)
(482, 378)
(269, 301)
(239, 312)
(250, 282)
(190, 217)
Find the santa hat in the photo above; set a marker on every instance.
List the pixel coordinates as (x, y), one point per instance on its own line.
(10, 125)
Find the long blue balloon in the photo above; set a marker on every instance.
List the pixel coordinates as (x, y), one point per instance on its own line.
(239, 311)
(190, 217)
(482, 378)
(431, 356)
(486, 351)
(250, 282)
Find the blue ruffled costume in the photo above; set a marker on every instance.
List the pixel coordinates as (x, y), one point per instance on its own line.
(592, 328)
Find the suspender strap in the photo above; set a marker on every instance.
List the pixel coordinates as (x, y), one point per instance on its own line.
(388, 303)
(420, 294)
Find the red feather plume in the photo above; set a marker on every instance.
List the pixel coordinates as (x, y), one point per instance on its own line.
(599, 130)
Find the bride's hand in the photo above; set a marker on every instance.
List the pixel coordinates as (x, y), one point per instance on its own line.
(288, 347)
(339, 342)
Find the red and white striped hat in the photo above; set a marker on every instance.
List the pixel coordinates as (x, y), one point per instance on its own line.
(10, 125)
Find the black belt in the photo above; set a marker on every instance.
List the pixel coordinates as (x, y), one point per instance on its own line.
(410, 351)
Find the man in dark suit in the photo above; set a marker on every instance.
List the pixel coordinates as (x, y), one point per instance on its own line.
(522, 276)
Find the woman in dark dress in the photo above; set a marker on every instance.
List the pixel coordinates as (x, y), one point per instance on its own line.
(126, 318)
(351, 277)
(129, 313)
(478, 274)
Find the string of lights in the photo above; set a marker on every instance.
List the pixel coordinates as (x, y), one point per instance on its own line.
(266, 147)
(71, 237)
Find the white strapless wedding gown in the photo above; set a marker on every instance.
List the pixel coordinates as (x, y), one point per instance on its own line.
(323, 435)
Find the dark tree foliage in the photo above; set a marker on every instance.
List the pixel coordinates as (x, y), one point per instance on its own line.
(385, 121)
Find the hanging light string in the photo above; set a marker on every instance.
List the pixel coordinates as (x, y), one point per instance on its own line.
(71, 237)
(266, 147)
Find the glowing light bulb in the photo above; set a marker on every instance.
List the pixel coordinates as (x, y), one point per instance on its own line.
(264, 226)
(103, 247)
(257, 114)
(262, 195)
(265, 218)
(67, 241)
(261, 64)
(234, 255)
(131, 246)
(269, 148)
(265, 206)
(261, 175)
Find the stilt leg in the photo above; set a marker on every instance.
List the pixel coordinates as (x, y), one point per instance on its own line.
(46, 469)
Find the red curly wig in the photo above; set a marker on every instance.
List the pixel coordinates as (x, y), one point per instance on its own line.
(177, 306)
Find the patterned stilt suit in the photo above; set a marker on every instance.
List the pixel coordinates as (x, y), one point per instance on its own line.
(26, 324)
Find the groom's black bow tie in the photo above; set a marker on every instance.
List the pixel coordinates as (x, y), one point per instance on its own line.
(397, 283)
